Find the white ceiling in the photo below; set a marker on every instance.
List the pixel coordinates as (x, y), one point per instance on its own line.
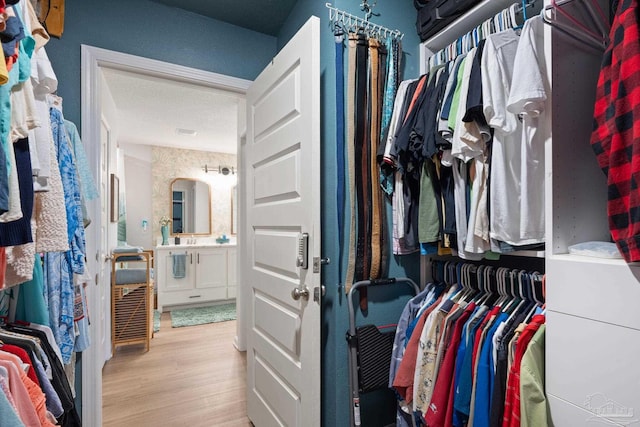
(150, 109)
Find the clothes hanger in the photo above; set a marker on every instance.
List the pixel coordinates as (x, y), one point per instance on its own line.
(549, 17)
(506, 19)
(461, 270)
(512, 15)
(512, 281)
(522, 301)
(483, 290)
(435, 271)
(588, 7)
(535, 284)
(501, 281)
(575, 29)
(534, 306)
(478, 277)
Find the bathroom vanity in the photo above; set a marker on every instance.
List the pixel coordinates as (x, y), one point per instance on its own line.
(195, 274)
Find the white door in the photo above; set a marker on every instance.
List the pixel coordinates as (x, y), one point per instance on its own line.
(104, 275)
(283, 201)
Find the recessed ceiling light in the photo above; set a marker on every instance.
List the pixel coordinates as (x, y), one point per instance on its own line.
(186, 132)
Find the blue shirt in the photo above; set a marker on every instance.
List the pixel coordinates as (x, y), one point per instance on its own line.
(485, 376)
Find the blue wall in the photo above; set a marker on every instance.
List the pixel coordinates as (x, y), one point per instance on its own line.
(153, 30)
(384, 304)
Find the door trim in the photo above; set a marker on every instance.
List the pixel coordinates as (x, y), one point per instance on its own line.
(92, 60)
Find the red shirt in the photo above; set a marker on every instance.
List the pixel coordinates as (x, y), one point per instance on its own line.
(24, 356)
(616, 128)
(511, 416)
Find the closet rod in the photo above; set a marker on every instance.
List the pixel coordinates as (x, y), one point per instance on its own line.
(459, 45)
(349, 20)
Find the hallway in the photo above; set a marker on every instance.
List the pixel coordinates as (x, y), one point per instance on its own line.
(192, 376)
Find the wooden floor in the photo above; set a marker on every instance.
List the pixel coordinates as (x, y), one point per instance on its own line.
(191, 376)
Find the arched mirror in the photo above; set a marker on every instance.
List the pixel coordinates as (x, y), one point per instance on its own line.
(190, 206)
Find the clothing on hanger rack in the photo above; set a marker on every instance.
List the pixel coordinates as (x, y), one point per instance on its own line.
(470, 141)
(38, 350)
(41, 270)
(454, 368)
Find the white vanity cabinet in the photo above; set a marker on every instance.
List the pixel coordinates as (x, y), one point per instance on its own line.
(231, 272)
(204, 278)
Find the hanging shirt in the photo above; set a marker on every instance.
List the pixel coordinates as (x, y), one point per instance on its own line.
(403, 383)
(50, 211)
(506, 157)
(443, 391)
(484, 376)
(527, 100)
(8, 414)
(616, 137)
(534, 409)
(71, 187)
(512, 400)
(44, 82)
(21, 255)
(408, 314)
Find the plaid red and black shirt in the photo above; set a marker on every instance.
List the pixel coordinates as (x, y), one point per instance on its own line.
(616, 128)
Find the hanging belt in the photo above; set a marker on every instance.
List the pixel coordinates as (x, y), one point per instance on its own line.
(340, 142)
(384, 56)
(351, 82)
(374, 96)
(362, 172)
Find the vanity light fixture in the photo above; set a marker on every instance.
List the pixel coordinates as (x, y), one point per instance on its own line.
(223, 170)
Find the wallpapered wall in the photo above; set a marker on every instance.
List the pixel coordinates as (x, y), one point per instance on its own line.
(170, 163)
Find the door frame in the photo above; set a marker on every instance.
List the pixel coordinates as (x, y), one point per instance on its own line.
(92, 60)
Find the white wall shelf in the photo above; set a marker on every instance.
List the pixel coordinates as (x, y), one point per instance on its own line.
(483, 10)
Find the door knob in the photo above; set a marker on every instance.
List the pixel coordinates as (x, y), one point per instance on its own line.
(301, 292)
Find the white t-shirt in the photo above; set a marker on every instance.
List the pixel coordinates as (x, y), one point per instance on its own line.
(44, 82)
(477, 241)
(497, 73)
(527, 99)
(465, 241)
(397, 203)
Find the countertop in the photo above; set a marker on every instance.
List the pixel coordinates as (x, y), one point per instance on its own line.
(194, 246)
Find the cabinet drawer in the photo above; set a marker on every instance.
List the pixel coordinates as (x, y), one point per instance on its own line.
(592, 364)
(566, 414)
(604, 290)
(193, 296)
